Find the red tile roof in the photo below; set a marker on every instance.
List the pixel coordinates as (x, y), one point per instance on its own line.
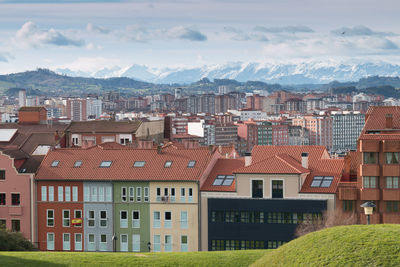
(104, 126)
(282, 163)
(375, 117)
(222, 167)
(122, 164)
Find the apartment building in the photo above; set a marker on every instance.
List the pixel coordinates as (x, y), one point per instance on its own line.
(319, 128)
(346, 128)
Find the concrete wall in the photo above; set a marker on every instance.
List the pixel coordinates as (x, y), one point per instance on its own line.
(150, 130)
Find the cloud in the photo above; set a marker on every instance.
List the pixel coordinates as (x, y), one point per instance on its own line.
(359, 31)
(138, 33)
(5, 57)
(30, 35)
(239, 35)
(286, 29)
(90, 27)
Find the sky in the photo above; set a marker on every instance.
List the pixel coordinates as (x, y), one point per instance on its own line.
(95, 34)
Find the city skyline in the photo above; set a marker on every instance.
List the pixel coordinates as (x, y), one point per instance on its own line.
(91, 35)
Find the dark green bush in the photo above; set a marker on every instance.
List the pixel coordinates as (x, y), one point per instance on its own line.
(12, 241)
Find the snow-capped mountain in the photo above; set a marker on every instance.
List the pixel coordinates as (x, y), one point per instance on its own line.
(300, 73)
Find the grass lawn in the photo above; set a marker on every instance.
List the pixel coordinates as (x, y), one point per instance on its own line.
(214, 259)
(356, 245)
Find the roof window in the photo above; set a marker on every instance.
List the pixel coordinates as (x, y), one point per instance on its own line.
(138, 164)
(191, 164)
(105, 164)
(224, 180)
(168, 164)
(78, 163)
(322, 181)
(55, 163)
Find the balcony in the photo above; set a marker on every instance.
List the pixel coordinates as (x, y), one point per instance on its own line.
(391, 194)
(15, 210)
(392, 217)
(348, 193)
(391, 170)
(369, 194)
(391, 145)
(369, 170)
(369, 145)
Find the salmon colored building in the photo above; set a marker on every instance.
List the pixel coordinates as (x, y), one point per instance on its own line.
(32, 115)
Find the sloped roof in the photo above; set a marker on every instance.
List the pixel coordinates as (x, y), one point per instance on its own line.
(222, 167)
(104, 126)
(281, 163)
(31, 108)
(122, 164)
(376, 117)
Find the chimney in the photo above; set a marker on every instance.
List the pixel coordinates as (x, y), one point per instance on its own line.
(304, 160)
(159, 149)
(247, 159)
(389, 121)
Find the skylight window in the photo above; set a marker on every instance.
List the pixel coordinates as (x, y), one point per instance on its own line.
(191, 164)
(78, 163)
(224, 180)
(139, 164)
(55, 163)
(322, 181)
(105, 164)
(168, 164)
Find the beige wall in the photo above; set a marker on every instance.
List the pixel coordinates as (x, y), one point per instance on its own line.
(291, 184)
(192, 231)
(155, 129)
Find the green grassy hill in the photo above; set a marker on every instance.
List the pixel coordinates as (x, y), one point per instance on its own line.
(357, 245)
(97, 259)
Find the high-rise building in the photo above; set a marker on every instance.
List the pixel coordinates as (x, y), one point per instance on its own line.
(77, 109)
(319, 127)
(346, 128)
(22, 98)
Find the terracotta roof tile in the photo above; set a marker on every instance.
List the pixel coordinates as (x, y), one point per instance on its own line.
(122, 164)
(376, 117)
(222, 167)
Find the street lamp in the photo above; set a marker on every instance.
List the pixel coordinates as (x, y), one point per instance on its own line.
(114, 239)
(368, 209)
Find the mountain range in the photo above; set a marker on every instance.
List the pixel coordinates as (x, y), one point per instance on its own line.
(285, 74)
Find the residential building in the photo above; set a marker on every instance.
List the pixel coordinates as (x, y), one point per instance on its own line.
(319, 127)
(346, 128)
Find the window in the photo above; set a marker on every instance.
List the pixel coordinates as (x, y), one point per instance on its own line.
(166, 192)
(136, 243)
(78, 242)
(50, 241)
(103, 243)
(66, 218)
(167, 219)
(123, 219)
(322, 181)
(44, 193)
(86, 194)
(91, 243)
(131, 194)
(392, 157)
(348, 205)
(370, 182)
(60, 193)
(139, 164)
(123, 194)
(392, 206)
(78, 163)
(109, 194)
(67, 193)
(190, 198)
(101, 194)
(392, 182)
(3, 223)
(103, 218)
(156, 243)
(168, 164)
(2, 199)
(75, 193)
(2, 174)
(191, 164)
(183, 197)
(15, 225)
(51, 193)
(55, 163)
(136, 219)
(172, 196)
(184, 220)
(66, 241)
(156, 219)
(78, 215)
(105, 164)
(124, 243)
(146, 194)
(257, 188)
(138, 194)
(184, 243)
(225, 180)
(93, 194)
(277, 189)
(370, 158)
(91, 218)
(158, 192)
(50, 218)
(168, 243)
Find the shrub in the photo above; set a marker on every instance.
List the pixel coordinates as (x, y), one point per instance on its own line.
(12, 241)
(329, 219)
